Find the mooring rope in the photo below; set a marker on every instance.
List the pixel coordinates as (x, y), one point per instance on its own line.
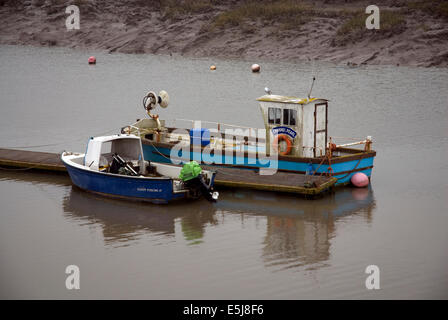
(351, 171)
(35, 146)
(159, 151)
(56, 144)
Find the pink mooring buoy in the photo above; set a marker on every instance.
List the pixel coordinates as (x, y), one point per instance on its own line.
(360, 180)
(92, 60)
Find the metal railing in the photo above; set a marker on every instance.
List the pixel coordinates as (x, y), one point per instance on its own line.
(219, 125)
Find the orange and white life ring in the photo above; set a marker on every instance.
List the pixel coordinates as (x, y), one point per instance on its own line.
(283, 137)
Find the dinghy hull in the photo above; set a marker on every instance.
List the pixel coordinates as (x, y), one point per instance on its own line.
(156, 190)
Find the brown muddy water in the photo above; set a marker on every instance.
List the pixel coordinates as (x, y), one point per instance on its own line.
(249, 245)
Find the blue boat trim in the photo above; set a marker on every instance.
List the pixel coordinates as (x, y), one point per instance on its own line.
(343, 167)
(283, 170)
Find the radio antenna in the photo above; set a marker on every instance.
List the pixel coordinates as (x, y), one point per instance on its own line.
(311, 89)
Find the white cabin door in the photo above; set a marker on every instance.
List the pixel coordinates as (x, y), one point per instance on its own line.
(320, 128)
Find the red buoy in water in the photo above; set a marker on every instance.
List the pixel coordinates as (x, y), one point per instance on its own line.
(255, 67)
(360, 180)
(92, 60)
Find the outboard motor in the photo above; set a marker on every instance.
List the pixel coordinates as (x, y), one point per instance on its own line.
(194, 181)
(198, 186)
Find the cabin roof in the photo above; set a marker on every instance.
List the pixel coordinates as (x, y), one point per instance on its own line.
(127, 146)
(286, 99)
(115, 137)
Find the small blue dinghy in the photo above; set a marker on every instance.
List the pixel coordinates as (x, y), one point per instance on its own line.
(114, 166)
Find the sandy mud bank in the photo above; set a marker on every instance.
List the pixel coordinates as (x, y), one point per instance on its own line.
(412, 32)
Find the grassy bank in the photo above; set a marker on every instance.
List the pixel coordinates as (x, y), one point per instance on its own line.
(290, 14)
(172, 9)
(434, 8)
(390, 21)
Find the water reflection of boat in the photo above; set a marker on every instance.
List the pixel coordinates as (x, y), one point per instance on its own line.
(122, 221)
(344, 202)
(299, 232)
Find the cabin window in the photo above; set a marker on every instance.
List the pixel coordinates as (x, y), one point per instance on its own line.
(105, 155)
(271, 115)
(289, 117)
(274, 115)
(286, 116)
(106, 147)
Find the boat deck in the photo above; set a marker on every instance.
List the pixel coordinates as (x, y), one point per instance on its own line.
(228, 177)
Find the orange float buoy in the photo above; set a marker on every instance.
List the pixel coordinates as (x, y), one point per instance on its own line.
(92, 60)
(212, 67)
(255, 67)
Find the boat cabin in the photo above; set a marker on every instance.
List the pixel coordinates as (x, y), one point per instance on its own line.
(100, 151)
(303, 121)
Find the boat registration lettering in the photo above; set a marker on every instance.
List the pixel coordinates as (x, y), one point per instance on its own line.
(148, 190)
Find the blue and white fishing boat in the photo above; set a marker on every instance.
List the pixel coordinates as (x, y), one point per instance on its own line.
(114, 166)
(295, 140)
